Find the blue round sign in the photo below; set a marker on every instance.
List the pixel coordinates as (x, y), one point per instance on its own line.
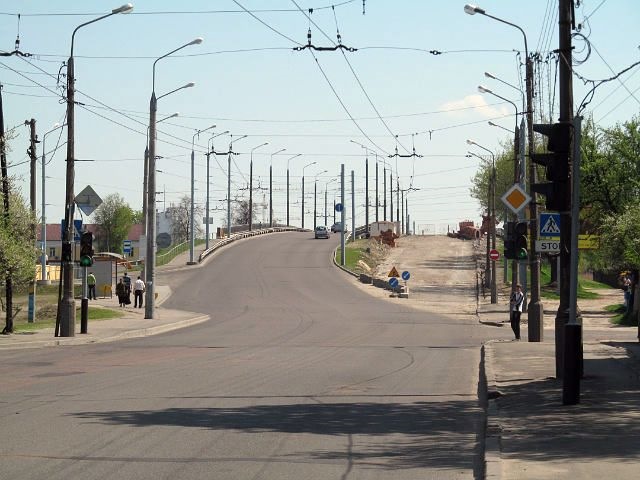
(338, 207)
(393, 281)
(406, 275)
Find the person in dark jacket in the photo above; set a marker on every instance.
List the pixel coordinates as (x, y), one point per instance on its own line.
(515, 304)
(121, 292)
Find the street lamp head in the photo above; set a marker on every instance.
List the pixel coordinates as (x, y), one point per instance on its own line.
(126, 8)
(189, 85)
(472, 9)
(489, 75)
(483, 89)
(492, 124)
(470, 142)
(196, 41)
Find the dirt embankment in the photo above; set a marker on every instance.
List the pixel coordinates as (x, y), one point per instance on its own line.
(442, 269)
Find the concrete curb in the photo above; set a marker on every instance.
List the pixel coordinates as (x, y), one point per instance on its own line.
(89, 339)
(146, 332)
(493, 431)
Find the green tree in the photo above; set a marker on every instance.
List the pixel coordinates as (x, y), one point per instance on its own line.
(114, 218)
(18, 252)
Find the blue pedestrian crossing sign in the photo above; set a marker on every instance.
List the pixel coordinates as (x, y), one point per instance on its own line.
(549, 225)
(338, 207)
(393, 281)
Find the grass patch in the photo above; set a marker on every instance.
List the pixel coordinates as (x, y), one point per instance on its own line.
(622, 318)
(593, 285)
(93, 314)
(352, 253)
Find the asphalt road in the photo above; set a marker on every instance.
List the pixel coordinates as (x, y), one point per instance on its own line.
(298, 375)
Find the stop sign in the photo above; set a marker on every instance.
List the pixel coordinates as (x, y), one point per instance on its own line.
(494, 255)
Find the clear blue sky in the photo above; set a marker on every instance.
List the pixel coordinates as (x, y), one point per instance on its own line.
(249, 81)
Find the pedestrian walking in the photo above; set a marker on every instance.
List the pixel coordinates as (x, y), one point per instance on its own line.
(138, 290)
(127, 285)
(121, 293)
(91, 283)
(515, 308)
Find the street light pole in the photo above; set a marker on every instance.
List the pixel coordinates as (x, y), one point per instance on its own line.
(67, 303)
(209, 152)
(308, 165)
(315, 190)
(535, 314)
(251, 185)
(192, 236)
(43, 232)
(514, 270)
(326, 186)
(492, 218)
(271, 187)
(288, 161)
(146, 175)
(229, 153)
(150, 260)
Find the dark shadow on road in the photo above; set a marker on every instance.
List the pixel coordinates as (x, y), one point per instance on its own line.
(436, 434)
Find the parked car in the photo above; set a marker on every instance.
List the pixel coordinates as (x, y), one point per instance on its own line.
(322, 231)
(336, 227)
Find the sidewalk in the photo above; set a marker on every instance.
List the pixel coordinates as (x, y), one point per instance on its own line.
(530, 434)
(132, 324)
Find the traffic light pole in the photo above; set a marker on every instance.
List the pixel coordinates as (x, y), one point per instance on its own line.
(568, 328)
(535, 313)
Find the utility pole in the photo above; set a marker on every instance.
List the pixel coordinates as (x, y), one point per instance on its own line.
(377, 199)
(343, 255)
(353, 207)
(8, 279)
(535, 314)
(366, 189)
(384, 192)
(207, 207)
(391, 195)
(568, 331)
(67, 304)
(31, 314)
(402, 217)
(315, 204)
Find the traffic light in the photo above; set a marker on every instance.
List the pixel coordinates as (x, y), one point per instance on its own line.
(521, 241)
(86, 249)
(556, 162)
(510, 241)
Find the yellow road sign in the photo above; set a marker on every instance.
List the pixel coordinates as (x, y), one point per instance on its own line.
(588, 242)
(516, 198)
(394, 273)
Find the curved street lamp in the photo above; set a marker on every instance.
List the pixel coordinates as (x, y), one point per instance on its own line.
(67, 304)
(307, 165)
(271, 186)
(192, 241)
(536, 309)
(43, 233)
(492, 219)
(150, 257)
(315, 192)
(208, 154)
(251, 185)
(326, 187)
(288, 162)
(146, 174)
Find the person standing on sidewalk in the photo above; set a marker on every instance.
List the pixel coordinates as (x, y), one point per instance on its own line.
(515, 307)
(121, 292)
(91, 283)
(138, 290)
(127, 285)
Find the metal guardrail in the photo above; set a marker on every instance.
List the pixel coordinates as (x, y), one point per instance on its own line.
(239, 236)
